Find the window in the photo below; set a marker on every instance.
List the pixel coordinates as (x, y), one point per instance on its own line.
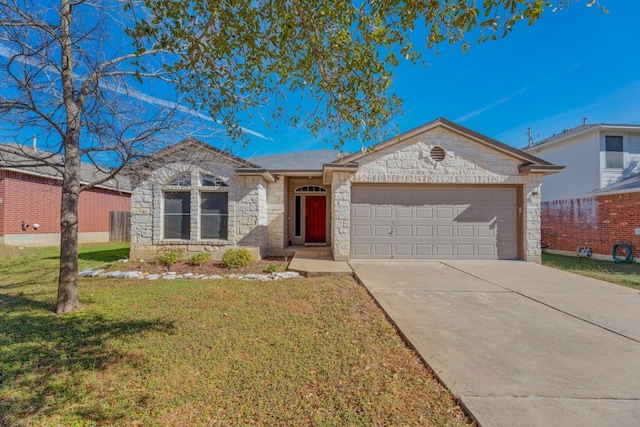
(614, 153)
(181, 180)
(177, 215)
(211, 181)
(298, 217)
(214, 215)
(311, 189)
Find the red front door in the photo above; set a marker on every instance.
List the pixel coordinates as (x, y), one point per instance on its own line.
(316, 218)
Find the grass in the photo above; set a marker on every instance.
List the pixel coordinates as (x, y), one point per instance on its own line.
(314, 351)
(609, 271)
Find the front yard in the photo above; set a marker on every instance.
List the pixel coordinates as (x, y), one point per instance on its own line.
(609, 271)
(315, 351)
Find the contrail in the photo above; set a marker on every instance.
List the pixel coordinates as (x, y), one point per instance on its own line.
(489, 106)
(136, 94)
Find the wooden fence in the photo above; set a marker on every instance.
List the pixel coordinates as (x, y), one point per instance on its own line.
(119, 226)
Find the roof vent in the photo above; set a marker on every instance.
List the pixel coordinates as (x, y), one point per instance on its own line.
(437, 154)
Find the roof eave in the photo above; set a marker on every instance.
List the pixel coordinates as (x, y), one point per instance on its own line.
(541, 169)
(329, 168)
(59, 178)
(264, 173)
(455, 128)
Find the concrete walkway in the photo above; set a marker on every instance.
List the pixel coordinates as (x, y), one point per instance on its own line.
(519, 344)
(317, 261)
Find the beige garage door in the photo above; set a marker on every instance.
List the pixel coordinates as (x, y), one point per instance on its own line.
(444, 222)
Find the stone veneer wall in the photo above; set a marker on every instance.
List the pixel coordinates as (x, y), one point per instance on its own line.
(409, 162)
(275, 217)
(247, 222)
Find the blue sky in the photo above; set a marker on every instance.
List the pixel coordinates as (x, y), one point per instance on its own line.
(571, 64)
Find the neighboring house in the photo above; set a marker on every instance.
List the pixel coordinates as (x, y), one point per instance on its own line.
(440, 191)
(595, 202)
(30, 198)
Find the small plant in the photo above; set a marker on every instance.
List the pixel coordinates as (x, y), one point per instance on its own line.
(169, 258)
(271, 268)
(199, 259)
(234, 258)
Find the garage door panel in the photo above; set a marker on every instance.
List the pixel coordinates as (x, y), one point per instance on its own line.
(424, 212)
(444, 250)
(404, 212)
(465, 231)
(424, 230)
(444, 212)
(404, 231)
(434, 223)
(383, 230)
(465, 250)
(403, 250)
(444, 231)
(424, 250)
(362, 250)
(383, 250)
(382, 212)
(362, 211)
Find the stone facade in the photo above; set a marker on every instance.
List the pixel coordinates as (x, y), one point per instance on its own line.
(247, 211)
(410, 162)
(262, 205)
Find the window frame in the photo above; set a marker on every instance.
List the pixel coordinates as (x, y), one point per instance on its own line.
(183, 215)
(614, 158)
(225, 215)
(200, 182)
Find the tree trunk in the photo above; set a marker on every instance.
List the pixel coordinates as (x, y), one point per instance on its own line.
(68, 279)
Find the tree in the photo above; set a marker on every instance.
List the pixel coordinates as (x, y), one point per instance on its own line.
(62, 76)
(231, 56)
(64, 72)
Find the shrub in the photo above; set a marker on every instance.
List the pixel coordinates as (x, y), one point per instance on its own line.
(234, 258)
(271, 268)
(199, 259)
(169, 258)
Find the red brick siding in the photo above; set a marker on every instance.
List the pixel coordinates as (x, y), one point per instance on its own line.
(598, 222)
(37, 200)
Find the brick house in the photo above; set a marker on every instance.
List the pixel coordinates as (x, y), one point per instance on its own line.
(30, 199)
(595, 202)
(440, 191)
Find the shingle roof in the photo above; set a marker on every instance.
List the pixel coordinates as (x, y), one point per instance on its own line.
(42, 163)
(625, 185)
(303, 160)
(578, 130)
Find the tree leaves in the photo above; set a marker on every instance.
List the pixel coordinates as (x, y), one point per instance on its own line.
(337, 58)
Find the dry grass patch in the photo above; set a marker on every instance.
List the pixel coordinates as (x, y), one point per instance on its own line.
(314, 351)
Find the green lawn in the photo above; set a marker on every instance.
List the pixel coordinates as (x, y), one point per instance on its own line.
(314, 351)
(622, 274)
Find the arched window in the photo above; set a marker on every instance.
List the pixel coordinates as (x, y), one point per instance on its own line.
(211, 181)
(311, 189)
(182, 180)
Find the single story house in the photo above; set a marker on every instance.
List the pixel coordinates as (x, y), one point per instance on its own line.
(31, 193)
(440, 191)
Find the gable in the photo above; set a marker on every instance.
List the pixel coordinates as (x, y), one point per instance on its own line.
(437, 155)
(451, 127)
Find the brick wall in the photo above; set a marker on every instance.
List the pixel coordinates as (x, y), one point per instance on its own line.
(597, 222)
(36, 200)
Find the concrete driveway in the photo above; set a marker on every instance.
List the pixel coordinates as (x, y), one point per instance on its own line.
(516, 342)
